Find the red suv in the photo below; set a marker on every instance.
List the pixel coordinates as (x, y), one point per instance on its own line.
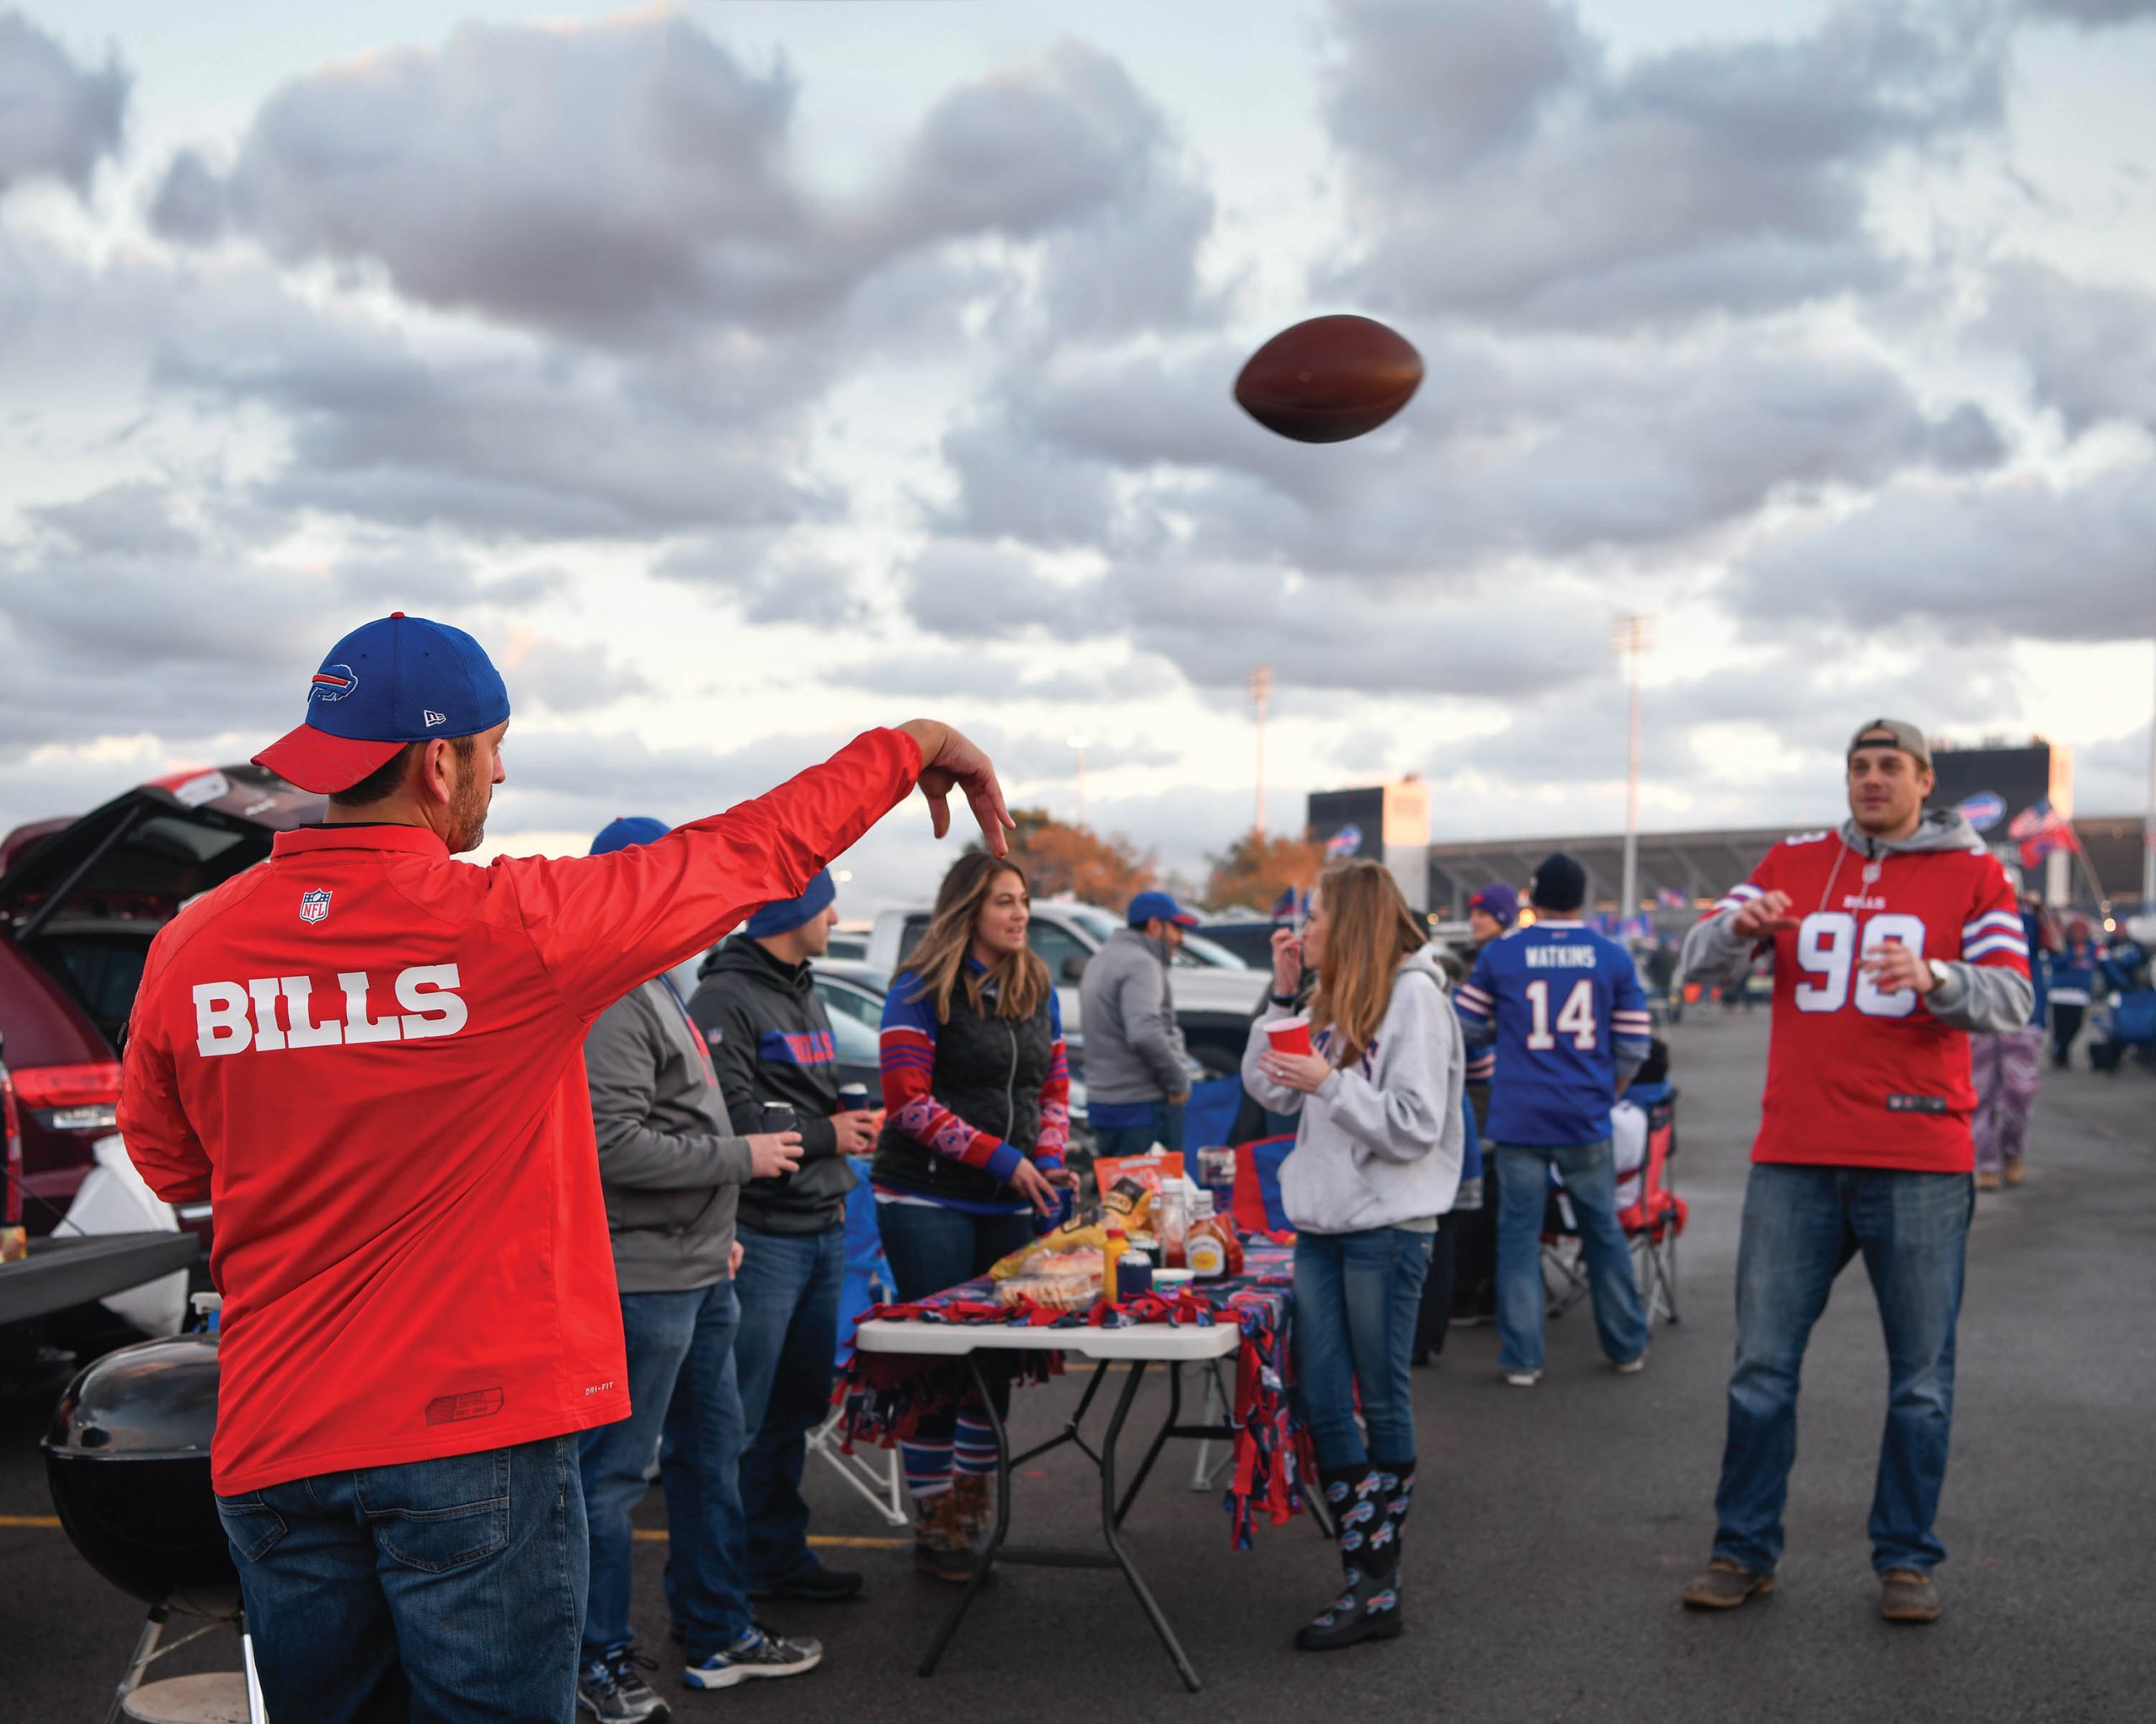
(80, 902)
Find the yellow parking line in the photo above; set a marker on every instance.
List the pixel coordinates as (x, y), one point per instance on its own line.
(658, 1535)
(29, 1520)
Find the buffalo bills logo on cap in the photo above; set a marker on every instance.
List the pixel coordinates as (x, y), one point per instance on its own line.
(314, 905)
(333, 682)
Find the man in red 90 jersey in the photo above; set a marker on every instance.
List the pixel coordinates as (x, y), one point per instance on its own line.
(1892, 940)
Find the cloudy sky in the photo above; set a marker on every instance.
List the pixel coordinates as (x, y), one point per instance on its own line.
(745, 375)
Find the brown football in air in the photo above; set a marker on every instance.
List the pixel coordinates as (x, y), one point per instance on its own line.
(1329, 379)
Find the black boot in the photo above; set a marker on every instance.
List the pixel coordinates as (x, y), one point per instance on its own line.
(1369, 1606)
(1396, 1479)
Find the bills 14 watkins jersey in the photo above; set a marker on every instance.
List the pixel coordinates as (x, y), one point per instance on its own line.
(1563, 1000)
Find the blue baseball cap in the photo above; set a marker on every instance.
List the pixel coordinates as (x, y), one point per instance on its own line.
(388, 683)
(787, 914)
(1158, 907)
(626, 832)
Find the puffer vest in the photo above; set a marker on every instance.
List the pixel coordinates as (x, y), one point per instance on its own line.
(989, 1072)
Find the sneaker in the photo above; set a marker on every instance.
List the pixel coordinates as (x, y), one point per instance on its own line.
(1725, 1585)
(1906, 1596)
(813, 1585)
(759, 1653)
(1632, 1366)
(614, 1688)
(1524, 1380)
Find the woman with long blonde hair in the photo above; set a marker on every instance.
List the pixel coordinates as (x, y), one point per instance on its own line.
(1377, 1159)
(978, 1090)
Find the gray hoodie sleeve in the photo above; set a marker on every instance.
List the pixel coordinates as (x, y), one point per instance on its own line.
(1262, 1090)
(621, 1055)
(1983, 998)
(1398, 1113)
(1149, 1025)
(1714, 955)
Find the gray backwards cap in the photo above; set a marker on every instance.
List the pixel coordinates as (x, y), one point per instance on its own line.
(1893, 733)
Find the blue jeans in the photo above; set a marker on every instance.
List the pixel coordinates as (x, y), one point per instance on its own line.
(1357, 1297)
(1165, 1129)
(783, 1359)
(930, 1248)
(680, 1348)
(1590, 1172)
(433, 1590)
(1802, 1226)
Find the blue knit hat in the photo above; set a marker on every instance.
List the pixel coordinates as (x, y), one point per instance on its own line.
(789, 914)
(1498, 900)
(627, 830)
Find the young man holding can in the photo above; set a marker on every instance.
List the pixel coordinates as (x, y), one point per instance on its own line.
(770, 1043)
(368, 1056)
(1894, 938)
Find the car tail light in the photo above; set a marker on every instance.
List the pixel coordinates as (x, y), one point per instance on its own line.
(72, 1098)
(11, 1166)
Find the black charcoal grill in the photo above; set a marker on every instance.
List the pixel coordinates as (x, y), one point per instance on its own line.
(127, 1458)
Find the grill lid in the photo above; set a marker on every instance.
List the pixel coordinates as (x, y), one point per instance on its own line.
(156, 1401)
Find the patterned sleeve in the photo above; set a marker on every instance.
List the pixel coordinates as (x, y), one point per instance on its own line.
(1472, 1002)
(1055, 1096)
(907, 1058)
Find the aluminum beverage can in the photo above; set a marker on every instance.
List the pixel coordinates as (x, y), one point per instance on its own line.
(853, 1098)
(1133, 1275)
(780, 1116)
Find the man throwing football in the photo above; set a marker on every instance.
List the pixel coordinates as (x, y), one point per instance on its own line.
(1893, 939)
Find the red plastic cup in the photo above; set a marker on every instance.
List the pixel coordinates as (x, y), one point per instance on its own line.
(1290, 1035)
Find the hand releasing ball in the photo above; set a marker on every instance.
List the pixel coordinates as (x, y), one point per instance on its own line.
(1329, 379)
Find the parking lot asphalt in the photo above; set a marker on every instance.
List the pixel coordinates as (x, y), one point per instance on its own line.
(1553, 1526)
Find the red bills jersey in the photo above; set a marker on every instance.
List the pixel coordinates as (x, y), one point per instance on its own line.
(367, 1055)
(1856, 1077)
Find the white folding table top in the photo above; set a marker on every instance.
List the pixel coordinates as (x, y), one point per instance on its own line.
(1140, 1341)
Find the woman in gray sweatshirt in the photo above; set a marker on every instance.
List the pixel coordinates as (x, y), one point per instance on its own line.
(1377, 1158)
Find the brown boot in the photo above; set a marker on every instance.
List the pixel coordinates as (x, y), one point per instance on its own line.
(1906, 1596)
(939, 1546)
(974, 1492)
(1987, 1180)
(1725, 1585)
(2013, 1169)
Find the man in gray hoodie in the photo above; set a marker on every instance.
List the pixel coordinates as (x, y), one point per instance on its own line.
(671, 1167)
(1892, 938)
(1136, 1079)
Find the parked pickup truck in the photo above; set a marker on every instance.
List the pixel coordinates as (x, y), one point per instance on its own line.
(1215, 991)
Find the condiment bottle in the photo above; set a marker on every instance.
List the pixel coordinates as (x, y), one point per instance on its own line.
(1118, 1243)
(1205, 1246)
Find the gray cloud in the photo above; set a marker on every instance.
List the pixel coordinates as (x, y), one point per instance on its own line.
(58, 120)
(2092, 14)
(1548, 448)
(633, 184)
(2090, 350)
(1563, 189)
(2022, 559)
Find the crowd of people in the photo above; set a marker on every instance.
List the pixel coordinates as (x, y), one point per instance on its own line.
(493, 1254)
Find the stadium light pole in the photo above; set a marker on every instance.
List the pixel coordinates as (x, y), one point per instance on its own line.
(1632, 636)
(1261, 690)
(1078, 747)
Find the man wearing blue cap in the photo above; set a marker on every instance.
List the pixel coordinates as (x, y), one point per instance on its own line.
(771, 1042)
(673, 1163)
(367, 1055)
(1137, 1079)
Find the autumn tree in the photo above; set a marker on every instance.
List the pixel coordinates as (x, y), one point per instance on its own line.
(1059, 857)
(1255, 869)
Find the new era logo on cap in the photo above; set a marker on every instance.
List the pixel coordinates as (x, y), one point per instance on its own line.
(396, 680)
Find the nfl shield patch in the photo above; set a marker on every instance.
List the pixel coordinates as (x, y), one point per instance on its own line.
(313, 905)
